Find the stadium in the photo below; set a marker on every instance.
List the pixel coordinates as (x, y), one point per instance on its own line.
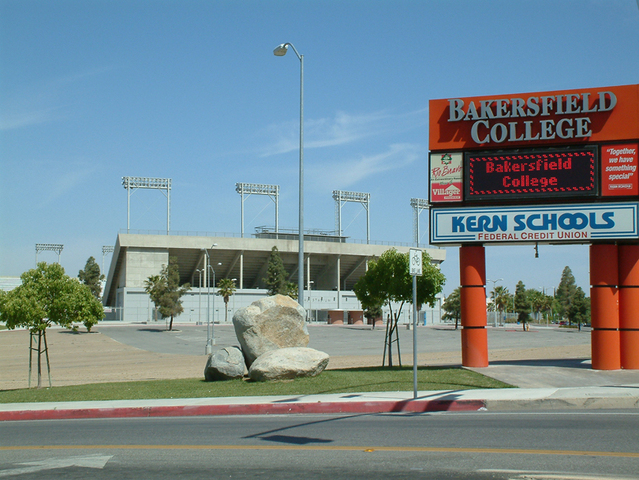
(332, 266)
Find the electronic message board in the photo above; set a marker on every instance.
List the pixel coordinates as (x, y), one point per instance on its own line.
(567, 172)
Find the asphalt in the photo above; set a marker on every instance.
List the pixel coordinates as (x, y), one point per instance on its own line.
(544, 384)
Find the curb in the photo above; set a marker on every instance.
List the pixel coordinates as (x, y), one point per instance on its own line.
(404, 406)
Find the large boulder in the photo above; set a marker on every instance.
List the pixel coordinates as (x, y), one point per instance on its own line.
(288, 363)
(225, 364)
(269, 324)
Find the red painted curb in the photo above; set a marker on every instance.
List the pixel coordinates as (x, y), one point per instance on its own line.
(412, 406)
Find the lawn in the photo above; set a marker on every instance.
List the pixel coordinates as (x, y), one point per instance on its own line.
(370, 379)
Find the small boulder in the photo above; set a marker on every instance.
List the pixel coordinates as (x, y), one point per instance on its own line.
(269, 324)
(288, 363)
(225, 364)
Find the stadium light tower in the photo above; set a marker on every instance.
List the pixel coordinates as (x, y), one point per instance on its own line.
(280, 51)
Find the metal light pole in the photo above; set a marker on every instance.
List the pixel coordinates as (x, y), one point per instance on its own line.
(495, 306)
(210, 338)
(199, 297)
(280, 51)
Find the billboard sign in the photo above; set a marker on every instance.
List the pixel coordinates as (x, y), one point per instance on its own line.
(501, 175)
(619, 176)
(446, 176)
(565, 117)
(579, 223)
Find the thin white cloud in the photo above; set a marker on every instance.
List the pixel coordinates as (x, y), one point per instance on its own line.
(352, 171)
(42, 102)
(342, 129)
(67, 182)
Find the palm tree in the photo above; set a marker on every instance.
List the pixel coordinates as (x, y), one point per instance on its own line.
(501, 298)
(227, 288)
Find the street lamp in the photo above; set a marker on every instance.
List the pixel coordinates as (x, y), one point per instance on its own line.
(199, 297)
(280, 51)
(495, 306)
(210, 337)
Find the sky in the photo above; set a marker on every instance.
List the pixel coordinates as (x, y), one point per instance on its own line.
(95, 90)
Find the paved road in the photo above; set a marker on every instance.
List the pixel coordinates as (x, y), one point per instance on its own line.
(540, 358)
(470, 445)
(343, 340)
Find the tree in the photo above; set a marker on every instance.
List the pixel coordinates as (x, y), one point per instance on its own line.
(226, 290)
(48, 296)
(452, 306)
(291, 290)
(388, 280)
(275, 280)
(565, 293)
(91, 277)
(372, 313)
(522, 304)
(538, 302)
(502, 299)
(579, 310)
(165, 290)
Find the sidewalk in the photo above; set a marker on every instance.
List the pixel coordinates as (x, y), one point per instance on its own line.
(497, 400)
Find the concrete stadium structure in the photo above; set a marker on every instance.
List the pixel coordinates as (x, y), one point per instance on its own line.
(332, 268)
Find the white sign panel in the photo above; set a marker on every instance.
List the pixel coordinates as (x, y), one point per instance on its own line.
(532, 224)
(415, 259)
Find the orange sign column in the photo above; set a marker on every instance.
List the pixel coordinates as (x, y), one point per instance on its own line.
(472, 263)
(604, 298)
(629, 305)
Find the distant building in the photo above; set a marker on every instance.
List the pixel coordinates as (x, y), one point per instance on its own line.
(9, 283)
(332, 267)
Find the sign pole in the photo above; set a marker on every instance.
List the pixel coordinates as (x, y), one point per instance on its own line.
(415, 264)
(414, 336)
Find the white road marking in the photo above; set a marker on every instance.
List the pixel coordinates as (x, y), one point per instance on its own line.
(86, 461)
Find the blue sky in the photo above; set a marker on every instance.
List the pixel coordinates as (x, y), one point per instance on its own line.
(94, 90)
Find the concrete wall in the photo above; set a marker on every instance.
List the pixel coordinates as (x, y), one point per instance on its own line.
(141, 263)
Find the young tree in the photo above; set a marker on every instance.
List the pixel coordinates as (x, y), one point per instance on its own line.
(388, 280)
(275, 280)
(579, 310)
(226, 290)
(372, 313)
(522, 303)
(565, 293)
(48, 296)
(91, 277)
(165, 290)
(452, 306)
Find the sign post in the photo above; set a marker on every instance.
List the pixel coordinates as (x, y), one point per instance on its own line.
(415, 262)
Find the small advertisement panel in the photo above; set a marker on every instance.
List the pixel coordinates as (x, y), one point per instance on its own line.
(619, 176)
(446, 176)
(579, 223)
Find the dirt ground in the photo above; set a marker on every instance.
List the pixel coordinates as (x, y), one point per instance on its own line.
(95, 358)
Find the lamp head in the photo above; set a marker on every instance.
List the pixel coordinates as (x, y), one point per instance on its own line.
(281, 50)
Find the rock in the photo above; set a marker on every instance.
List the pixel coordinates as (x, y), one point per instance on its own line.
(268, 324)
(225, 364)
(288, 363)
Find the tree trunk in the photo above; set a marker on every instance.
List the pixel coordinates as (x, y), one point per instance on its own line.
(40, 359)
(226, 310)
(171, 324)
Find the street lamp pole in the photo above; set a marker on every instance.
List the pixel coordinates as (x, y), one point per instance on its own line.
(280, 51)
(210, 339)
(199, 297)
(494, 299)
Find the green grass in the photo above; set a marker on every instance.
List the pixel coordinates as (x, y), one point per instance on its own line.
(371, 379)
